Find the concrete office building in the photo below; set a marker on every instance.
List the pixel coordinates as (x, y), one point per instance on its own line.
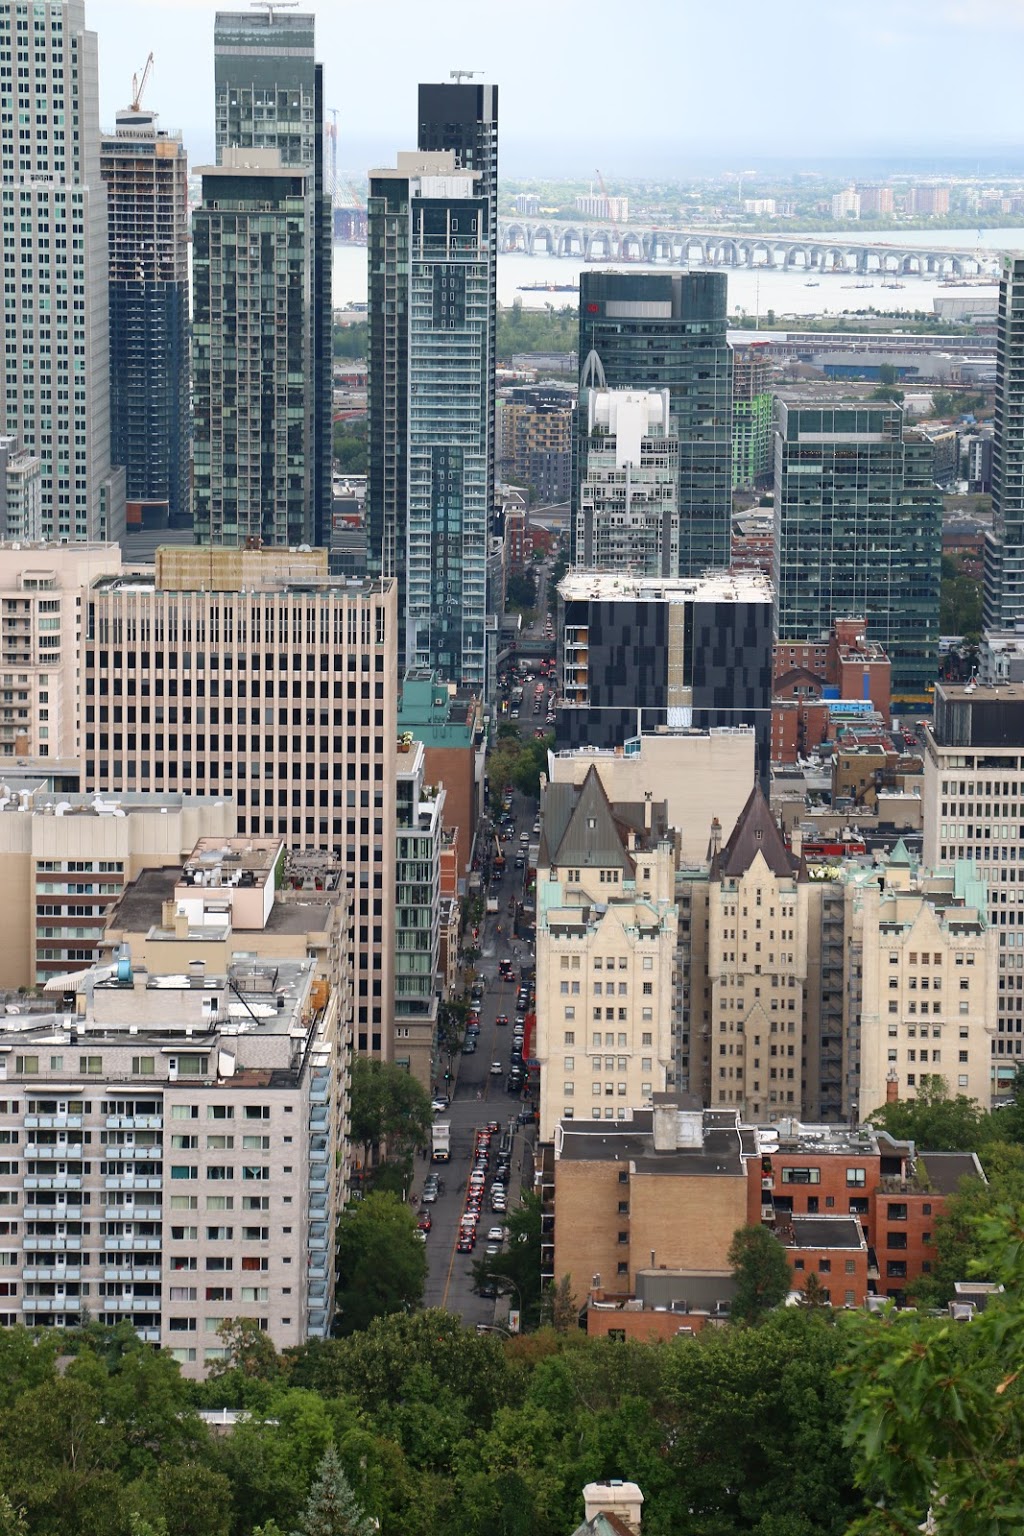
(973, 799)
(21, 492)
(270, 95)
(652, 330)
(65, 860)
(251, 673)
(431, 447)
(921, 993)
(42, 589)
(420, 838)
(638, 653)
(606, 935)
(857, 530)
(1004, 542)
(175, 1164)
(57, 375)
(253, 242)
(627, 507)
(146, 172)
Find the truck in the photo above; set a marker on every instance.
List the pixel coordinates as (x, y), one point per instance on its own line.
(441, 1142)
(492, 905)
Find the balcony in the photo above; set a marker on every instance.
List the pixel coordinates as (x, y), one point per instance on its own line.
(319, 1270)
(320, 1090)
(129, 1303)
(135, 1122)
(52, 1304)
(132, 1181)
(53, 1181)
(53, 1212)
(132, 1213)
(318, 1293)
(53, 1122)
(52, 1244)
(318, 1326)
(317, 1205)
(133, 1244)
(319, 1118)
(133, 1153)
(317, 1236)
(52, 1150)
(149, 1335)
(53, 1272)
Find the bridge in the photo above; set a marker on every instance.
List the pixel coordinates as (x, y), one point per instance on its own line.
(670, 247)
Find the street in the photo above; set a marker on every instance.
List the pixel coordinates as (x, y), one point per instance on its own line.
(479, 1097)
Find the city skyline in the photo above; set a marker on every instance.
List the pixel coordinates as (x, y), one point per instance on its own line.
(877, 103)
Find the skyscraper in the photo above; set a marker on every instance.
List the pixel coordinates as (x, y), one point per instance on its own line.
(57, 364)
(857, 531)
(252, 345)
(653, 330)
(1004, 544)
(628, 513)
(146, 172)
(431, 314)
(270, 95)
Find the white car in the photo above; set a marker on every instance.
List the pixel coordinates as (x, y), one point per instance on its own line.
(524, 837)
(496, 1069)
(496, 1234)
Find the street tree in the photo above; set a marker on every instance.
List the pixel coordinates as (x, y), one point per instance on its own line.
(332, 1508)
(389, 1108)
(382, 1263)
(761, 1273)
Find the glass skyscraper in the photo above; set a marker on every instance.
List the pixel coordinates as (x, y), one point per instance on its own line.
(858, 524)
(430, 437)
(56, 303)
(270, 96)
(1004, 545)
(653, 330)
(146, 173)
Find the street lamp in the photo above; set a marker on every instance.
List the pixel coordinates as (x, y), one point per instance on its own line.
(507, 1280)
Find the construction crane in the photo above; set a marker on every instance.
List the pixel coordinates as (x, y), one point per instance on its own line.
(138, 86)
(458, 75)
(270, 6)
(613, 221)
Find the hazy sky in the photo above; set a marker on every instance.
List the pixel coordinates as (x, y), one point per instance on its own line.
(659, 87)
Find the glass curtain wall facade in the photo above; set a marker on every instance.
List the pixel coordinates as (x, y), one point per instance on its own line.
(858, 522)
(270, 95)
(1004, 544)
(430, 437)
(146, 172)
(660, 330)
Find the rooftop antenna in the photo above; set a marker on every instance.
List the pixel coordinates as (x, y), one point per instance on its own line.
(458, 75)
(270, 6)
(138, 86)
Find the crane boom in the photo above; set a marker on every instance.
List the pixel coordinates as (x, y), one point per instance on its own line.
(613, 221)
(139, 86)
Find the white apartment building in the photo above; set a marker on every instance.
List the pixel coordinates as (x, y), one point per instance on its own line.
(21, 492)
(606, 937)
(65, 859)
(56, 303)
(974, 810)
(628, 510)
(252, 674)
(168, 1157)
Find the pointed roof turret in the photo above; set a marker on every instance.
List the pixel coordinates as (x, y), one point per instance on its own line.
(756, 831)
(591, 838)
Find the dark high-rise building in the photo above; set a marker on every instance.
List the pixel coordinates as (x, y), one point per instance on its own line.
(430, 439)
(270, 95)
(858, 523)
(146, 172)
(463, 117)
(1004, 544)
(653, 330)
(641, 653)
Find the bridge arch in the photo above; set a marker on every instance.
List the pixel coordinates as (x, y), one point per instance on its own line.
(515, 237)
(797, 257)
(570, 241)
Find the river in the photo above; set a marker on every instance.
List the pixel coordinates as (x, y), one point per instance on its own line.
(750, 292)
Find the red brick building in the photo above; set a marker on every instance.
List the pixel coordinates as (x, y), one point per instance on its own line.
(847, 666)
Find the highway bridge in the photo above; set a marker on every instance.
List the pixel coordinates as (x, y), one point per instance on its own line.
(797, 253)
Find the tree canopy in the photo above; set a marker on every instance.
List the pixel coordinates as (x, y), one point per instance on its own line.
(761, 1273)
(382, 1264)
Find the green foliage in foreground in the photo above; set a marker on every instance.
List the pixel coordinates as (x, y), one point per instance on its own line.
(810, 1424)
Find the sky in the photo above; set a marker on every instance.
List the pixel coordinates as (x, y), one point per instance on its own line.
(668, 89)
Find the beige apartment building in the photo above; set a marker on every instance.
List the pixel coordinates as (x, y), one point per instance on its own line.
(606, 938)
(700, 775)
(252, 674)
(922, 983)
(169, 1156)
(766, 1030)
(66, 859)
(42, 592)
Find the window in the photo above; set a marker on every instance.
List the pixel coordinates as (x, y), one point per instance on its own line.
(896, 1212)
(250, 1171)
(143, 1066)
(184, 1171)
(856, 1178)
(801, 1175)
(824, 1266)
(896, 1240)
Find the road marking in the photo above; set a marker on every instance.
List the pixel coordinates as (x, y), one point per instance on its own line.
(451, 1267)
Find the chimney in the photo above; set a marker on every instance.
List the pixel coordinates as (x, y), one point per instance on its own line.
(892, 1088)
(665, 1124)
(181, 924)
(648, 798)
(623, 1500)
(715, 840)
(796, 842)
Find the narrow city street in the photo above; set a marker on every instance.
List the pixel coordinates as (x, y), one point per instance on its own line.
(480, 1097)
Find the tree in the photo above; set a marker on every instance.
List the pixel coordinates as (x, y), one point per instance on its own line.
(813, 1293)
(382, 1263)
(521, 590)
(517, 1269)
(959, 1252)
(249, 1351)
(760, 1271)
(332, 1509)
(349, 445)
(560, 1307)
(388, 1106)
(934, 1121)
(936, 1412)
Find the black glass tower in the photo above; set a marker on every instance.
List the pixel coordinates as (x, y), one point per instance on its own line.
(653, 330)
